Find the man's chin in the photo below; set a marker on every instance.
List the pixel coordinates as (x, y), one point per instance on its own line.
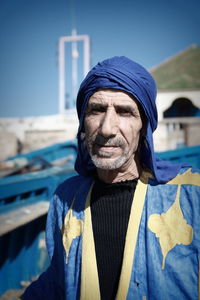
(108, 163)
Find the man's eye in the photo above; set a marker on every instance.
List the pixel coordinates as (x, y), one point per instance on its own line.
(96, 110)
(124, 112)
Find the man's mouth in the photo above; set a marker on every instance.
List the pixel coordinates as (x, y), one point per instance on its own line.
(105, 148)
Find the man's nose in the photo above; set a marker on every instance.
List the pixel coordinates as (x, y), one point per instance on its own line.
(109, 123)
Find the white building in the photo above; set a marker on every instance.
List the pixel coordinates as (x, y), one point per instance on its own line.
(178, 100)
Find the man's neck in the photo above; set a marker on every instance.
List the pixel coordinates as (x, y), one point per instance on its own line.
(117, 175)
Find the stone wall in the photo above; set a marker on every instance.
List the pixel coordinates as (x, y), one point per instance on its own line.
(8, 144)
(26, 134)
(173, 133)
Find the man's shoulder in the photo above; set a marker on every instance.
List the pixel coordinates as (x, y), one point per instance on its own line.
(72, 185)
(187, 176)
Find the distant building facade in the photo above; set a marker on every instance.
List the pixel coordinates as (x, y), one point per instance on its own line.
(178, 100)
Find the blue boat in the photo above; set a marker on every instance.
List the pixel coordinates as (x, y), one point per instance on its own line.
(24, 202)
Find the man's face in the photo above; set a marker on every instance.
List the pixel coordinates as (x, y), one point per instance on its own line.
(112, 127)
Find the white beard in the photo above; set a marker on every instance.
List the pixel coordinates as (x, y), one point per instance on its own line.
(104, 164)
(101, 160)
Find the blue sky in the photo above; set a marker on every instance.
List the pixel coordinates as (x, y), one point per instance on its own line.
(145, 31)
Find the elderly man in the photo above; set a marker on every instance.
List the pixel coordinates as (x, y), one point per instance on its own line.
(127, 226)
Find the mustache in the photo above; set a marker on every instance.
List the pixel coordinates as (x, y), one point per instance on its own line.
(103, 141)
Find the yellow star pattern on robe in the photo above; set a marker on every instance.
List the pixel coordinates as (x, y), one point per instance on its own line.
(72, 228)
(171, 228)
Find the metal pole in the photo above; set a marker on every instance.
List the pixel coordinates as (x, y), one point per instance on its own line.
(86, 53)
(74, 69)
(61, 75)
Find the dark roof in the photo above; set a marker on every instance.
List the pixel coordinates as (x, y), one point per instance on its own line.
(182, 71)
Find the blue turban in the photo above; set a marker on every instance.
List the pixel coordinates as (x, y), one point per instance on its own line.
(123, 74)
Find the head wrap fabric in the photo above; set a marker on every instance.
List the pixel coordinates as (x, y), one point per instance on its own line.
(123, 74)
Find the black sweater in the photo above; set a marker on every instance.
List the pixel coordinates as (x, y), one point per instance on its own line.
(110, 209)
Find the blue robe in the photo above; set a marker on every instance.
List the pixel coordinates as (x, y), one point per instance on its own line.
(162, 249)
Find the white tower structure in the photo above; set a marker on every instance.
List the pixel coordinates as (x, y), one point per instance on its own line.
(75, 56)
(73, 39)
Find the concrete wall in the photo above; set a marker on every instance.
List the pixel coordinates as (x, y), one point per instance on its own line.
(8, 144)
(35, 132)
(172, 133)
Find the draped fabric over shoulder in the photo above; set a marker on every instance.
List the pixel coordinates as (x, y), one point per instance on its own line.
(123, 74)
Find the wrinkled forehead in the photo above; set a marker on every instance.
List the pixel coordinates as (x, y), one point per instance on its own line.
(116, 97)
(113, 97)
